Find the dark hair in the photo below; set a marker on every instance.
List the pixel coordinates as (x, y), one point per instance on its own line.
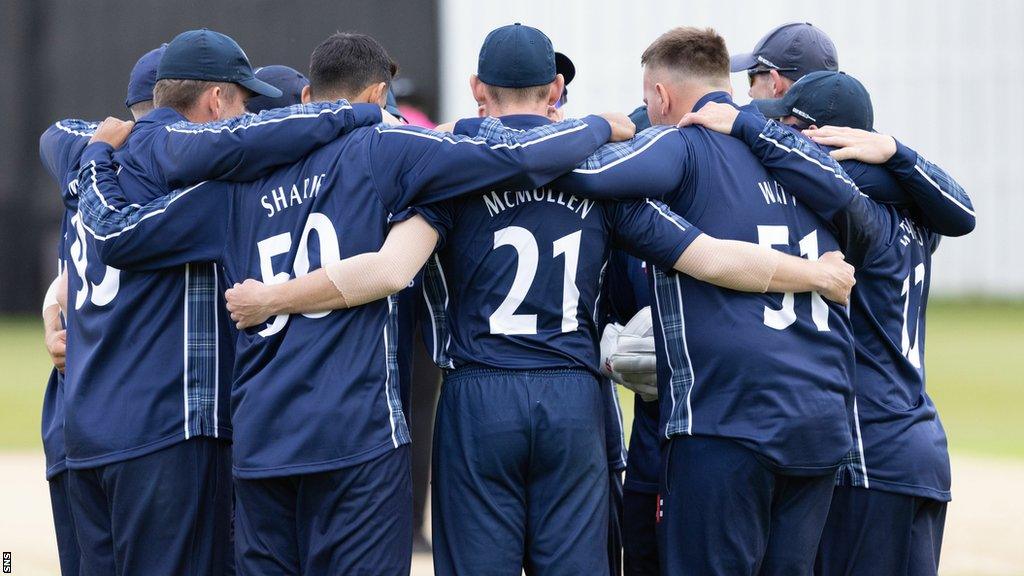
(346, 63)
(181, 95)
(690, 52)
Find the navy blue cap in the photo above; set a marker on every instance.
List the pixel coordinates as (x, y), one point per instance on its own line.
(288, 80)
(392, 105)
(212, 57)
(143, 77)
(516, 56)
(824, 99)
(794, 49)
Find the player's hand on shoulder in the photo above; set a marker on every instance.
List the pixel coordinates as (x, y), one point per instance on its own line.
(622, 127)
(713, 116)
(837, 277)
(854, 144)
(249, 303)
(113, 131)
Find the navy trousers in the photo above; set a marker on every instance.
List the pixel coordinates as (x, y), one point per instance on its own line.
(520, 474)
(355, 521)
(872, 532)
(167, 513)
(639, 534)
(63, 524)
(725, 513)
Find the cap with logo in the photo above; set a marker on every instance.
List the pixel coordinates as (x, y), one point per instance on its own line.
(212, 57)
(794, 49)
(286, 79)
(517, 56)
(824, 98)
(143, 77)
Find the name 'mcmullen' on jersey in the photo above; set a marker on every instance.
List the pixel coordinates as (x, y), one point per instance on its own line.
(319, 391)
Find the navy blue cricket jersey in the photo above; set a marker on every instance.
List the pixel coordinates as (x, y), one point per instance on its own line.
(771, 371)
(316, 392)
(900, 445)
(516, 282)
(60, 148)
(149, 353)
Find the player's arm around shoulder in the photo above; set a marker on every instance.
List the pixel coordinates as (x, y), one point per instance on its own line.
(797, 163)
(347, 283)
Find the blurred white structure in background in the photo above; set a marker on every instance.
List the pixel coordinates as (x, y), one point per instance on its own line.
(945, 76)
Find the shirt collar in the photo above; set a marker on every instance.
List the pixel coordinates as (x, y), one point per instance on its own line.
(716, 96)
(524, 121)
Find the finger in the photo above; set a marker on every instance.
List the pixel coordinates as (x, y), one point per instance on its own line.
(688, 119)
(834, 141)
(843, 154)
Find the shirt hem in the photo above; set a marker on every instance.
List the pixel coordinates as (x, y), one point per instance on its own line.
(314, 467)
(910, 490)
(56, 470)
(134, 452)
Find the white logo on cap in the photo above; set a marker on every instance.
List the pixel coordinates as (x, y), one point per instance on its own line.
(803, 114)
(766, 61)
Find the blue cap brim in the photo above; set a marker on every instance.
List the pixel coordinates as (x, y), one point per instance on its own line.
(260, 87)
(773, 107)
(742, 62)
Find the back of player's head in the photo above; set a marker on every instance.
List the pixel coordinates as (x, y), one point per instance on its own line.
(690, 54)
(346, 63)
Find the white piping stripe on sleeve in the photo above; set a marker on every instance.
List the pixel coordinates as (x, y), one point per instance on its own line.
(184, 380)
(860, 445)
(943, 192)
(60, 126)
(477, 141)
(809, 159)
(665, 216)
(96, 188)
(171, 128)
(448, 332)
(624, 158)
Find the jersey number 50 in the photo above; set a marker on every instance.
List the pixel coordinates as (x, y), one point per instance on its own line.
(281, 244)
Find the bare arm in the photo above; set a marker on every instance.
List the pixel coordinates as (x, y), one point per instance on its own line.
(748, 267)
(350, 282)
(54, 333)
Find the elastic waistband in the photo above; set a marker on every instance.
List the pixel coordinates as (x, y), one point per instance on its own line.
(483, 371)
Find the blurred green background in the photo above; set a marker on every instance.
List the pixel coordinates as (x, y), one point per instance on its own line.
(974, 355)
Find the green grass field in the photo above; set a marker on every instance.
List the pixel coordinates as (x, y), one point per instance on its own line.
(974, 359)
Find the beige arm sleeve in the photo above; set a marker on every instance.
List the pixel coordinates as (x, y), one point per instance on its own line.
(730, 264)
(374, 275)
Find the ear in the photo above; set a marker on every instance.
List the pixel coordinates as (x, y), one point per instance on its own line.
(557, 87)
(379, 94)
(477, 87)
(213, 104)
(306, 96)
(778, 86)
(664, 102)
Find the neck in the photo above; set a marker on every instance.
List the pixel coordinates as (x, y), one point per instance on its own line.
(532, 108)
(692, 93)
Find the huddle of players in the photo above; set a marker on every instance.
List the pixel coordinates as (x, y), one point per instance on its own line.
(198, 199)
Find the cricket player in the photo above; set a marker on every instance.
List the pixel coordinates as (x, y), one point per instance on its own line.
(755, 427)
(524, 481)
(150, 463)
(784, 55)
(294, 88)
(320, 458)
(60, 148)
(898, 474)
